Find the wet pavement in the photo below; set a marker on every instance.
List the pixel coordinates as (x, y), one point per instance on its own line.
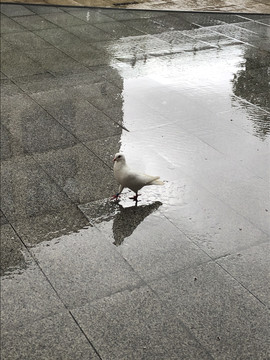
(184, 275)
(239, 6)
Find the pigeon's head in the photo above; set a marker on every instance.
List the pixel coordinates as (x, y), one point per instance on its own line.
(119, 157)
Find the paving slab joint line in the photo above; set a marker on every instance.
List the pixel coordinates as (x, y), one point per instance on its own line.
(188, 330)
(55, 291)
(216, 259)
(79, 141)
(240, 283)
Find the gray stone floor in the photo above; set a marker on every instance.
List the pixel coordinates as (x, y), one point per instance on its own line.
(240, 6)
(185, 274)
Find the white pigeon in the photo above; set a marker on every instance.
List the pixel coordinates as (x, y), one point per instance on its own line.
(129, 178)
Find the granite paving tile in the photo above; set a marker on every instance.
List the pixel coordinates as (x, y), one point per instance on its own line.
(167, 250)
(214, 226)
(34, 129)
(87, 54)
(26, 40)
(8, 25)
(27, 190)
(9, 88)
(44, 9)
(218, 310)
(14, 10)
(77, 115)
(92, 17)
(146, 26)
(53, 337)
(15, 63)
(117, 29)
(59, 37)
(10, 146)
(26, 295)
(250, 268)
(90, 33)
(88, 271)
(62, 20)
(133, 324)
(55, 62)
(80, 174)
(45, 82)
(11, 256)
(105, 148)
(34, 22)
(50, 225)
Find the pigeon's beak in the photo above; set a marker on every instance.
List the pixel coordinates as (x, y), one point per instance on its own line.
(114, 159)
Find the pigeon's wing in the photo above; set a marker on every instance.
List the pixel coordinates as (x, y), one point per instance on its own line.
(135, 181)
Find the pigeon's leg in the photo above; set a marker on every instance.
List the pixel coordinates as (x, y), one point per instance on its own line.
(116, 196)
(135, 197)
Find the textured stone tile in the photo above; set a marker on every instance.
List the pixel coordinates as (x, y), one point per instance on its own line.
(104, 96)
(44, 9)
(3, 219)
(105, 148)
(8, 88)
(77, 115)
(14, 10)
(242, 35)
(44, 82)
(146, 26)
(15, 63)
(137, 48)
(34, 22)
(8, 25)
(174, 23)
(80, 174)
(89, 33)
(135, 325)
(251, 268)
(52, 337)
(165, 251)
(218, 311)
(83, 267)
(35, 130)
(87, 54)
(55, 62)
(26, 296)
(91, 16)
(58, 37)
(61, 19)
(27, 190)
(12, 256)
(214, 226)
(26, 40)
(118, 29)
(50, 225)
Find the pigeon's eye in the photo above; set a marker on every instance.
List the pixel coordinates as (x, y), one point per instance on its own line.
(118, 157)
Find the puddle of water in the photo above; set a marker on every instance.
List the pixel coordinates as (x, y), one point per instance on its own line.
(118, 220)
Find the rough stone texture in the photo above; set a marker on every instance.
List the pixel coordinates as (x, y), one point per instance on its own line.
(185, 96)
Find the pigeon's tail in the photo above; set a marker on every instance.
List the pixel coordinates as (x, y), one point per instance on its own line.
(156, 181)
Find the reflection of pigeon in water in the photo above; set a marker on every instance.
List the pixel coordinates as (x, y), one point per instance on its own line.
(129, 178)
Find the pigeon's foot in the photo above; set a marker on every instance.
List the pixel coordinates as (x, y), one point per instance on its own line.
(115, 197)
(135, 197)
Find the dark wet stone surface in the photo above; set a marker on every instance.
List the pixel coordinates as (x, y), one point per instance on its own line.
(137, 320)
(218, 310)
(12, 257)
(184, 96)
(51, 337)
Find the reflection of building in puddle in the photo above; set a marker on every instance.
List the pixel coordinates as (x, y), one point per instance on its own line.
(114, 220)
(71, 125)
(252, 83)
